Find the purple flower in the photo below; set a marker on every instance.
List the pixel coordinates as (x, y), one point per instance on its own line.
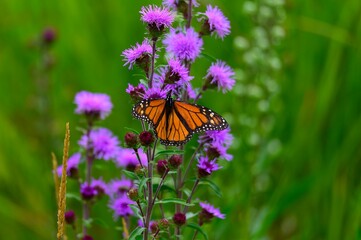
(72, 166)
(217, 22)
(175, 74)
(217, 143)
(222, 137)
(121, 207)
(105, 145)
(191, 92)
(221, 75)
(183, 45)
(100, 186)
(211, 211)
(157, 16)
(206, 167)
(127, 158)
(119, 186)
(139, 54)
(87, 191)
(93, 104)
(175, 3)
(155, 92)
(136, 93)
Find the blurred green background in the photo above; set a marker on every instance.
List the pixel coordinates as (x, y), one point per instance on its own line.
(300, 179)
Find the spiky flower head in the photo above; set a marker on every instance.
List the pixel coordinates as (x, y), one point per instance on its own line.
(104, 144)
(215, 23)
(93, 105)
(121, 206)
(157, 18)
(220, 75)
(208, 212)
(206, 166)
(139, 54)
(184, 45)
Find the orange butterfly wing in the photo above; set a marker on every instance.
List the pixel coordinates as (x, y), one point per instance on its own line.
(175, 123)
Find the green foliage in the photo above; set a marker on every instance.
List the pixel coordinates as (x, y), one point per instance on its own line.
(309, 189)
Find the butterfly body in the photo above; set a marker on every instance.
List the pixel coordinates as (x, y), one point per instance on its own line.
(174, 122)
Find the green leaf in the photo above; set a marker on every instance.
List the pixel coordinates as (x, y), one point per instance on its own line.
(190, 215)
(144, 82)
(164, 188)
(197, 228)
(136, 210)
(141, 185)
(100, 222)
(169, 152)
(212, 185)
(132, 130)
(209, 57)
(130, 175)
(73, 196)
(136, 232)
(175, 201)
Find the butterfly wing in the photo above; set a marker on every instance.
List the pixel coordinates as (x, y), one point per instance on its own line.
(177, 124)
(150, 110)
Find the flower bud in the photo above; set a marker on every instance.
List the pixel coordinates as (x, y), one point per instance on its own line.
(179, 219)
(162, 166)
(133, 194)
(87, 237)
(49, 36)
(163, 224)
(139, 170)
(146, 138)
(131, 140)
(205, 29)
(175, 161)
(69, 217)
(154, 227)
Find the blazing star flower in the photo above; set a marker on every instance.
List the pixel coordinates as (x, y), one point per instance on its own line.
(183, 45)
(127, 158)
(119, 186)
(105, 145)
(221, 75)
(93, 104)
(218, 151)
(120, 206)
(206, 167)
(209, 211)
(87, 191)
(99, 185)
(139, 54)
(72, 166)
(222, 137)
(136, 93)
(157, 16)
(175, 74)
(216, 22)
(191, 92)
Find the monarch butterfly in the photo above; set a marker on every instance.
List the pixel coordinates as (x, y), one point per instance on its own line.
(174, 122)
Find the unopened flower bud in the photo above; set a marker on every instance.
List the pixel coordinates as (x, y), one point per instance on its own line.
(175, 161)
(146, 138)
(69, 217)
(139, 170)
(49, 36)
(131, 140)
(162, 166)
(163, 224)
(179, 219)
(154, 227)
(87, 237)
(133, 194)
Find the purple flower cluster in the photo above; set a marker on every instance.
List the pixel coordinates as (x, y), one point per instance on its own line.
(206, 166)
(184, 45)
(217, 22)
(93, 104)
(127, 158)
(176, 3)
(156, 16)
(104, 144)
(216, 143)
(209, 212)
(120, 206)
(221, 75)
(72, 166)
(138, 54)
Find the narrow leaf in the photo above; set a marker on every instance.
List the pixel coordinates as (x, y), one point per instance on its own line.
(175, 201)
(141, 185)
(169, 152)
(130, 175)
(73, 196)
(136, 232)
(212, 185)
(197, 228)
